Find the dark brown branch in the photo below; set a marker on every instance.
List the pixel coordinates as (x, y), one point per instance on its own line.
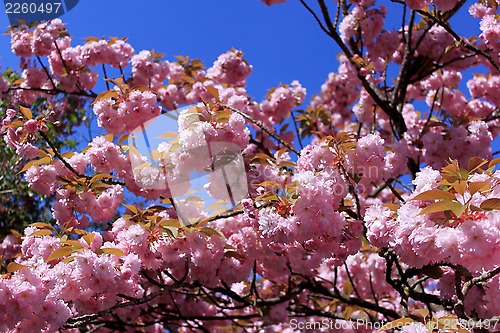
(463, 42)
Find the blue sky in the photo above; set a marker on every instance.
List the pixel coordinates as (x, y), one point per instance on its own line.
(282, 42)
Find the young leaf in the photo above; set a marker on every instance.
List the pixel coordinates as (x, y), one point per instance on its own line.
(132, 208)
(60, 252)
(68, 259)
(43, 232)
(105, 95)
(174, 232)
(211, 232)
(460, 187)
(89, 238)
(75, 244)
(434, 195)
(213, 91)
(493, 162)
(113, 251)
(99, 177)
(170, 223)
(475, 163)
(438, 206)
(26, 112)
(423, 312)
(14, 267)
(42, 225)
(478, 186)
(490, 204)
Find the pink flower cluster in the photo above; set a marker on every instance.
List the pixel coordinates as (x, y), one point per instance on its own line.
(148, 71)
(272, 2)
(9, 247)
(367, 159)
(485, 87)
(19, 137)
(38, 42)
(421, 239)
(339, 93)
(280, 103)
(43, 297)
(104, 157)
(230, 68)
(490, 31)
(461, 143)
(305, 224)
(368, 21)
(128, 112)
(68, 65)
(115, 52)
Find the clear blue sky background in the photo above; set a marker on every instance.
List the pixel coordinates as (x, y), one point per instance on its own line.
(282, 42)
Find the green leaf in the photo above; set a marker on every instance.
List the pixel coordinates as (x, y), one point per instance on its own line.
(457, 208)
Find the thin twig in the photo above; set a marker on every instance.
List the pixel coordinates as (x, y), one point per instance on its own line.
(261, 126)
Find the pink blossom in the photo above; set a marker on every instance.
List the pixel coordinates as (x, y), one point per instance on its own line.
(230, 68)
(272, 2)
